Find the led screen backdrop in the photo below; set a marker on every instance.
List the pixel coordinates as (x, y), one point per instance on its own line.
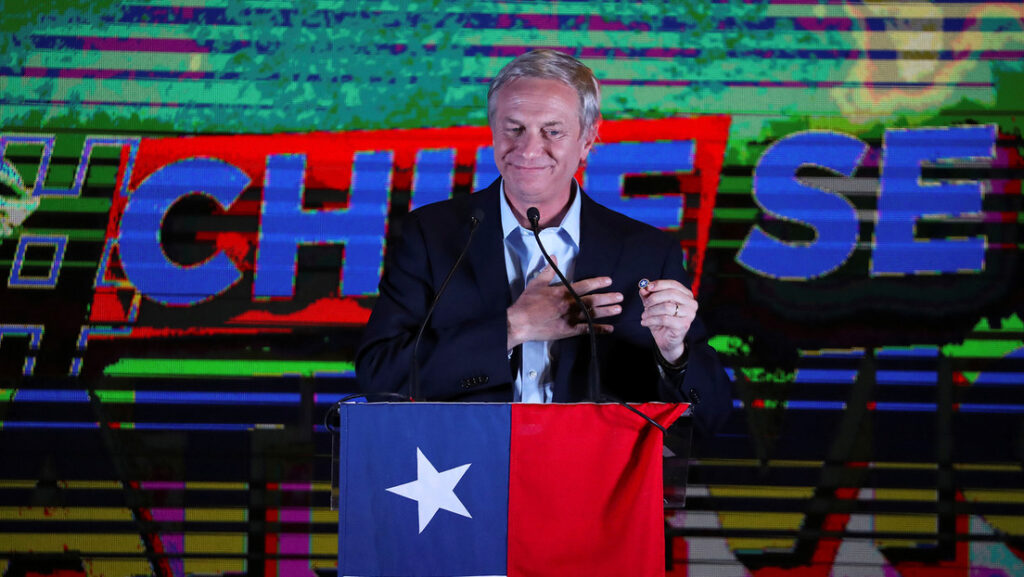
(197, 198)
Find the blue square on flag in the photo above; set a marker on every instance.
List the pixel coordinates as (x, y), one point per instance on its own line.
(423, 490)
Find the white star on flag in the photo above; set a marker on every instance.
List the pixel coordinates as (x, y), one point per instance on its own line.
(433, 490)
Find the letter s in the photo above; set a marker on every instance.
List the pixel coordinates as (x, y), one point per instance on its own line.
(780, 193)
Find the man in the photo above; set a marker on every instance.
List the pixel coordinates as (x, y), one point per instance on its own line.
(502, 331)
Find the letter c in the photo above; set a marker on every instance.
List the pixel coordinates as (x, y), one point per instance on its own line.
(139, 244)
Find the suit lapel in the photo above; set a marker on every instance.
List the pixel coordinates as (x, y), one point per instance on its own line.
(599, 242)
(487, 255)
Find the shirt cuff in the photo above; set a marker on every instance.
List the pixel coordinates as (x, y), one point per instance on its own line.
(672, 368)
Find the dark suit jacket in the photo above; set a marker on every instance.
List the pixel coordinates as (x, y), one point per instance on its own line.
(463, 354)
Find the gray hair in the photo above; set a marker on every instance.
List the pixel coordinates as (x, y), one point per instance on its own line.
(553, 65)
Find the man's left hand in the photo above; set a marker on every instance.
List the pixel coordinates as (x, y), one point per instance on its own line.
(669, 309)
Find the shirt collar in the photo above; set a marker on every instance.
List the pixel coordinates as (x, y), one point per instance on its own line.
(570, 222)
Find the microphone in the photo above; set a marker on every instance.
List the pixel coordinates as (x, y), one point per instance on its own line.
(475, 218)
(594, 391)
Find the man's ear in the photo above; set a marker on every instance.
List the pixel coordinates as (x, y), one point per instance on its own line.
(589, 139)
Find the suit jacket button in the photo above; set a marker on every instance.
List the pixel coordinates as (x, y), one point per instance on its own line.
(694, 396)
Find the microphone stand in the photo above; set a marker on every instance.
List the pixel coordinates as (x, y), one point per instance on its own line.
(414, 371)
(594, 390)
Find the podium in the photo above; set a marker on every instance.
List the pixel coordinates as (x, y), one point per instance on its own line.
(487, 489)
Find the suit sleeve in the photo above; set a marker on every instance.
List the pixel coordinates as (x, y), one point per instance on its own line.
(458, 358)
(704, 382)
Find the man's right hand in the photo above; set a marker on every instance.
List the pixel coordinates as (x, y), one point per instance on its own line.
(546, 312)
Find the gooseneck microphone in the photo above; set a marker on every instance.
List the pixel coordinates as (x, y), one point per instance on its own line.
(594, 391)
(475, 218)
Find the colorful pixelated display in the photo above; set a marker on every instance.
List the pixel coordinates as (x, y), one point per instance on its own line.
(196, 199)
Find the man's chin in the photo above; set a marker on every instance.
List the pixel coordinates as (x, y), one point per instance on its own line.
(528, 185)
(521, 191)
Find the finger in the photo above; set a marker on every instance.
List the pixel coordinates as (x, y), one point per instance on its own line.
(678, 305)
(602, 299)
(600, 311)
(667, 293)
(589, 285)
(600, 305)
(662, 285)
(671, 319)
(543, 277)
(669, 328)
(672, 308)
(600, 329)
(668, 316)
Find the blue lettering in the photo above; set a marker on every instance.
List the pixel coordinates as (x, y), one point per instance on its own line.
(610, 163)
(433, 176)
(285, 225)
(139, 244)
(780, 193)
(486, 170)
(905, 199)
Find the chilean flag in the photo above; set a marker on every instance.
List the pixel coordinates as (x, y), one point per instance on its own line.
(479, 489)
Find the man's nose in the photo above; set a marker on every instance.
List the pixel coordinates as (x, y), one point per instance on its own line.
(532, 145)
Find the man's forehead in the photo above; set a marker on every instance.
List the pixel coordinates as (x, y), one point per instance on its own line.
(517, 101)
(528, 84)
(515, 118)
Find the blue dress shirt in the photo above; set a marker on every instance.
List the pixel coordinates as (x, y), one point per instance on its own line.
(534, 380)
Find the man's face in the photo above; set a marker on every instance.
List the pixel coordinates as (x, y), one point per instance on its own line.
(538, 144)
